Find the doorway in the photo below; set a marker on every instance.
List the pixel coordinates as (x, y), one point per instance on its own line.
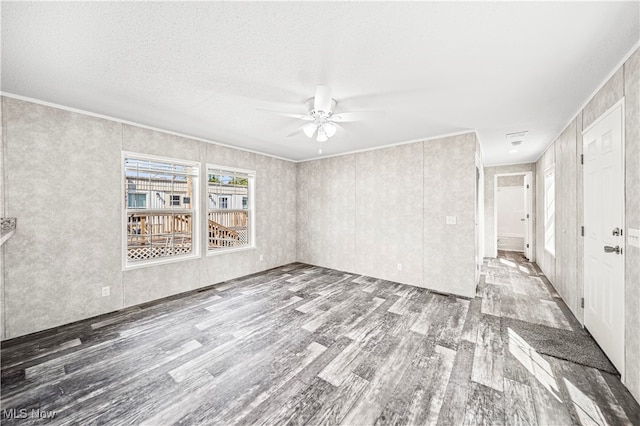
(604, 227)
(513, 213)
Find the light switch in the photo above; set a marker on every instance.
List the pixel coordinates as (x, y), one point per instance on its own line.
(451, 220)
(633, 237)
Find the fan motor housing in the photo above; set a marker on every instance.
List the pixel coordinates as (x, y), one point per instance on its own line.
(309, 104)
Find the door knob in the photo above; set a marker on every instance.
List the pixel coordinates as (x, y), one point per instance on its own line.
(609, 249)
(616, 232)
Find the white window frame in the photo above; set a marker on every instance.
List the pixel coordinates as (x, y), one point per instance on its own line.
(223, 201)
(194, 210)
(251, 211)
(549, 199)
(145, 200)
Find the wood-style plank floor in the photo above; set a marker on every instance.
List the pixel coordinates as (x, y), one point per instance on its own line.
(308, 345)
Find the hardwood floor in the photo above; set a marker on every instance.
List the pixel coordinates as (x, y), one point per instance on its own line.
(309, 345)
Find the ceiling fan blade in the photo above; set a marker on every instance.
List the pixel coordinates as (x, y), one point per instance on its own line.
(346, 117)
(308, 129)
(286, 114)
(296, 132)
(322, 99)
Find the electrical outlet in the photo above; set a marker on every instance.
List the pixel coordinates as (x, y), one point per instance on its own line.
(451, 220)
(261, 257)
(399, 266)
(106, 291)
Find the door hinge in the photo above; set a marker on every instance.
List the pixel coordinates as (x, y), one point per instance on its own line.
(581, 158)
(527, 186)
(582, 231)
(527, 215)
(582, 302)
(527, 245)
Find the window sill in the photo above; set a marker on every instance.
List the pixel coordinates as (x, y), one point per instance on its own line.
(227, 251)
(161, 261)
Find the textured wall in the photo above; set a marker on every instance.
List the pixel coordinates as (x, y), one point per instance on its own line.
(370, 211)
(61, 171)
(632, 217)
(565, 270)
(506, 181)
(326, 220)
(449, 190)
(489, 202)
(566, 220)
(389, 191)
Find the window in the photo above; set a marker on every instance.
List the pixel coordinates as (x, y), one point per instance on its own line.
(223, 202)
(550, 210)
(230, 223)
(137, 201)
(157, 226)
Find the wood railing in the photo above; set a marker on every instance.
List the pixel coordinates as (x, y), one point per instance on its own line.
(229, 218)
(227, 228)
(152, 234)
(146, 227)
(221, 236)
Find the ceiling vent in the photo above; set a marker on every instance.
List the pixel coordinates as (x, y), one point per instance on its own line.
(517, 135)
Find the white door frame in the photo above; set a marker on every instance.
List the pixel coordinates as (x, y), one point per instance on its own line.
(530, 212)
(620, 104)
(479, 213)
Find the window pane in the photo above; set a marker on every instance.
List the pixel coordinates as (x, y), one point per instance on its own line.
(164, 184)
(549, 210)
(158, 235)
(159, 196)
(229, 216)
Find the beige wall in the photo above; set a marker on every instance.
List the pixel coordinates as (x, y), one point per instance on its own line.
(368, 212)
(489, 202)
(60, 171)
(565, 269)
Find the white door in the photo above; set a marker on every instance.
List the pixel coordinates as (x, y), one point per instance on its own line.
(603, 242)
(528, 246)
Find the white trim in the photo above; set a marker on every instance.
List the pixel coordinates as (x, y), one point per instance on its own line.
(511, 236)
(620, 64)
(530, 212)
(161, 261)
(133, 123)
(251, 173)
(620, 103)
(252, 209)
(480, 208)
(431, 138)
(510, 164)
(218, 252)
(195, 211)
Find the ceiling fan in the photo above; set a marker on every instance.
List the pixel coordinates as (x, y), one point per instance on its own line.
(321, 120)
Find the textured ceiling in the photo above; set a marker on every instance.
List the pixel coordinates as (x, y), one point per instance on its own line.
(205, 68)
